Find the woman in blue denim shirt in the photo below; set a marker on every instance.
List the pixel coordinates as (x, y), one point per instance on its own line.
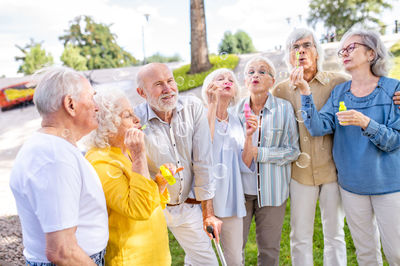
(366, 146)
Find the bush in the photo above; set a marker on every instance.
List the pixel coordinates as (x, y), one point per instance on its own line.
(187, 81)
(238, 43)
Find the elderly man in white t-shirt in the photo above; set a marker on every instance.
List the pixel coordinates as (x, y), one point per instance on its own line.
(59, 196)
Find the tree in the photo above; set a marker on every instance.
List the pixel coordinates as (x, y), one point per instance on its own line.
(157, 57)
(198, 38)
(244, 43)
(239, 43)
(228, 44)
(341, 15)
(34, 58)
(71, 57)
(96, 43)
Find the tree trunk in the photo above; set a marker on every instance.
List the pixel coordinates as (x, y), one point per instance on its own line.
(198, 44)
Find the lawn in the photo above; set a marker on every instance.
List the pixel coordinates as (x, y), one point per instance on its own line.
(251, 247)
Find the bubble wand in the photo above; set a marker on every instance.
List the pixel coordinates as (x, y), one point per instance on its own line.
(297, 59)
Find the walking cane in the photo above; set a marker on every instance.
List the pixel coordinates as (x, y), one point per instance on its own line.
(210, 230)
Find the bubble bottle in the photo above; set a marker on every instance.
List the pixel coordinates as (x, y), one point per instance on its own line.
(342, 107)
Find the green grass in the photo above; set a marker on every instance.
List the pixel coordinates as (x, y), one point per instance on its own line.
(395, 71)
(187, 81)
(251, 247)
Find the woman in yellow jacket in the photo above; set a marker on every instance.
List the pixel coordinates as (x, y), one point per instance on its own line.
(137, 226)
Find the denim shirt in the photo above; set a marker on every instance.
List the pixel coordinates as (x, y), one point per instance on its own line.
(277, 141)
(368, 161)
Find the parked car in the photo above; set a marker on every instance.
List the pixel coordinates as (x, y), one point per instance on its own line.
(16, 95)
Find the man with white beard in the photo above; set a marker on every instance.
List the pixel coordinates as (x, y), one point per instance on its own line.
(177, 132)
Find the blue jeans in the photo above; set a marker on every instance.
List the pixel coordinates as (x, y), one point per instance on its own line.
(98, 258)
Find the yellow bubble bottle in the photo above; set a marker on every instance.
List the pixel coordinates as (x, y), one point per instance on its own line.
(342, 107)
(166, 173)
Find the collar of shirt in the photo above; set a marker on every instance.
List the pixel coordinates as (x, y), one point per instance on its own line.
(269, 103)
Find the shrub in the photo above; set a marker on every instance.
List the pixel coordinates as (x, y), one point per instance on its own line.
(187, 81)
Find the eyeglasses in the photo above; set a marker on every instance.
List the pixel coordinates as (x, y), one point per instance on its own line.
(350, 48)
(260, 72)
(306, 46)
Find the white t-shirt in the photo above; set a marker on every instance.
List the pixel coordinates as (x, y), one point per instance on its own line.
(56, 188)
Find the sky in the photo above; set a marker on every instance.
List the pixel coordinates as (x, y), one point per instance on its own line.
(167, 31)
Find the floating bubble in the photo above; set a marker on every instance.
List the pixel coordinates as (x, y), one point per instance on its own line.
(105, 151)
(182, 129)
(299, 116)
(120, 74)
(191, 83)
(222, 129)
(223, 55)
(304, 160)
(283, 74)
(180, 80)
(220, 171)
(305, 138)
(114, 172)
(65, 133)
(327, 80)
(163, 148)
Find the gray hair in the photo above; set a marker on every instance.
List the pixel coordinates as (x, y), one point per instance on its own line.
(108, 116)
(262, 59)
(211, 77)
(301, 33)
(54, 83)
(381, 63)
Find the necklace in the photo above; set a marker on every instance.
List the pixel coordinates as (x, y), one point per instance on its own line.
(223, 120)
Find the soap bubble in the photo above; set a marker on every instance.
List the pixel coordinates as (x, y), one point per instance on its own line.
(304, 160)
(299, 116)
(222, 129)
(220, 171)
(223, 55)
(65, 133)
(180, 80)
(191, 83)
(305, 138)
(120, 75)
(163, 148)
(113, 171)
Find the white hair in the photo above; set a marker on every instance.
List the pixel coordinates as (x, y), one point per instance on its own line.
(381, 63)
(54, 83)
(262, 59)
(211, 78)
(301, 33)
(108, 116)
(139, 76)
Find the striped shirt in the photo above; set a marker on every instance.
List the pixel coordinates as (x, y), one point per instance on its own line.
(277, 141)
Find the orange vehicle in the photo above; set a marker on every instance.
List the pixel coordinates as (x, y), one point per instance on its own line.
(15, 95)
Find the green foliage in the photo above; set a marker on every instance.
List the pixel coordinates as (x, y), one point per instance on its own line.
(244, 42)
(284, 257)
(96, 43)
(71, 57)
(238, 43)
(157, 57)
(395, 71)
(343, 14)
(228, 44)
(34, 58)
(187, 81)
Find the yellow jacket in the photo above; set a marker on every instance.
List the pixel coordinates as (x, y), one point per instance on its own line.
(137, 226)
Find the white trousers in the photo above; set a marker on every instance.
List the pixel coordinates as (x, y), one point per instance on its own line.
(303, 201)
(232, 239)
(185, 221)
(368, 218)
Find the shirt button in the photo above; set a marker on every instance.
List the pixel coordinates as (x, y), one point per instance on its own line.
(181, 179)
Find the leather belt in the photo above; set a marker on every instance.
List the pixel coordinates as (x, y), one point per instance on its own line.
(188, 201)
